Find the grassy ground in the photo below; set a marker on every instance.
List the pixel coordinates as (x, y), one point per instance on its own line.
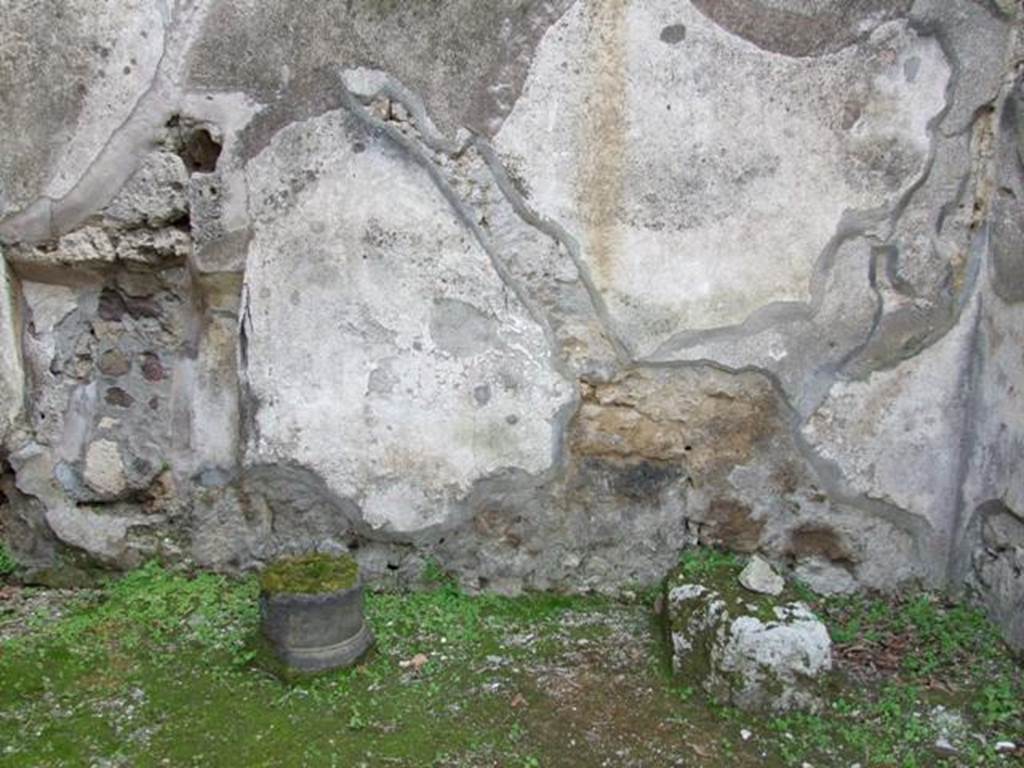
(158, 669)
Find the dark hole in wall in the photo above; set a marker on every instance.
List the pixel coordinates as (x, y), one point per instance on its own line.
(672, 34)
(5, 469)
(198, 149)
(820, 541)
(183, 222)
(200, 152)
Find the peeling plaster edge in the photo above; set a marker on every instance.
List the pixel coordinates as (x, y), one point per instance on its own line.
(122, 153)
(957, 556)
(827, 472)
(437, 142)
(558, 233)
(353, 105)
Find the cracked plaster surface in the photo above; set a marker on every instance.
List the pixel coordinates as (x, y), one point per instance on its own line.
(406, 278)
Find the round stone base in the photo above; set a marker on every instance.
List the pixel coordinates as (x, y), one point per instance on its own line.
(343, 654)
(316, 632)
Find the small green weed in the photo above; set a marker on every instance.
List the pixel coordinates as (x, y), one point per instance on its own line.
(936, 636)
(152, 606)
(686, 692)
(433, 573)
(943, 652)
(998, 704)
(484, 694)
(704, 563)
(7, 562)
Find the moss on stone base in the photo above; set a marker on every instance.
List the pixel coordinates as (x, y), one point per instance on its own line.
(310, 574)
(719, 571)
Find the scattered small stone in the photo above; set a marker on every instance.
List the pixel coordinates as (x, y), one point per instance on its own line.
(417, 662)
(951, 730)
(1005, 746)
(114, 362)
(745, 734)
(760, 577)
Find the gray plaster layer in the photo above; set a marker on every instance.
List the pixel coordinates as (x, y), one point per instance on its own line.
(989, 526)
(104, 61)
(468, 58)
(12, 376)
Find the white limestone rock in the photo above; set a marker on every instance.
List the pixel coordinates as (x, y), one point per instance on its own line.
(759, 576)
(89, 246)
(94, 246)
(104, 469)
(746, 650)
(766, 664)
(154, 196)
(154, 246)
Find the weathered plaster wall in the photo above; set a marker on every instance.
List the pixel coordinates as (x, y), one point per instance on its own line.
(546, 291)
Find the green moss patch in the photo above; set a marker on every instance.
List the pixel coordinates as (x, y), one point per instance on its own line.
(158, 668)
(7, 562)
(310, 574)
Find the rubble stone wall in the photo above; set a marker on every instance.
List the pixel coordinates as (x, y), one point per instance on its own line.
(543, 290)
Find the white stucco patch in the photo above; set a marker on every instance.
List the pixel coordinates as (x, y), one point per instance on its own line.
(703, 179)
(896, 436)
(384, 351)
(129, 37)
(12, 376)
